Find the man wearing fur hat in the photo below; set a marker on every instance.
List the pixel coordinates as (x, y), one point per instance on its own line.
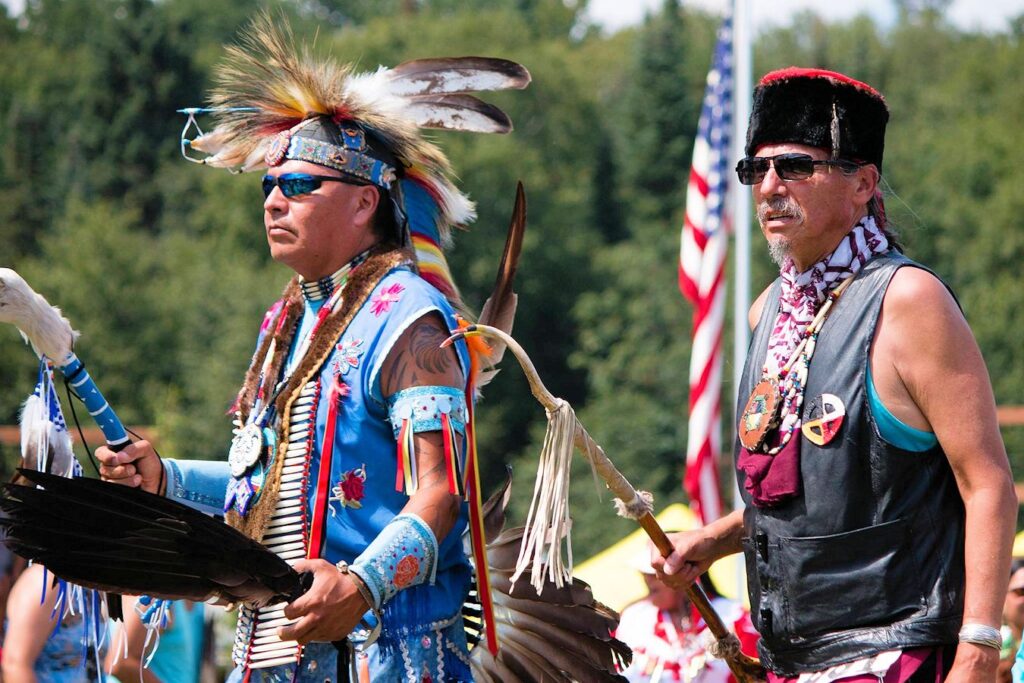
(353, 427)
(880, 506)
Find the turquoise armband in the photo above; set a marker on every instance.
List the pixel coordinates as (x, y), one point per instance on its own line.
(429, 409)
(425, 406)
(404, 554)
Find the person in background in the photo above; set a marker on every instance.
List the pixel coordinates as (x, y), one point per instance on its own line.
(10, 567)
(178, 659)
(1013, 619)
(668, 636)
(35, 648)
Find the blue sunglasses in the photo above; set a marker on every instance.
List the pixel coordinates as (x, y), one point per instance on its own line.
(294, 184)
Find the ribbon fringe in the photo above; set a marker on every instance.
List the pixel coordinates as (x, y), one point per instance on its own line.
(548, 522)
(452, 457)
(406, 479)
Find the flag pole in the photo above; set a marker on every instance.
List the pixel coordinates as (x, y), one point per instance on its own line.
(740, 196)
(742, 92)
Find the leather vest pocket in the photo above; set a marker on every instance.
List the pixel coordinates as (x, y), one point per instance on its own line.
(854, 579)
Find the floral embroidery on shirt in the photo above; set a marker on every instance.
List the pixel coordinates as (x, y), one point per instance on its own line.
(348, 355)
(381, 303)
(350, 490)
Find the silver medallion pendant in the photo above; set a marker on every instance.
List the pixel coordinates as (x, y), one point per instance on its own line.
(246, 448)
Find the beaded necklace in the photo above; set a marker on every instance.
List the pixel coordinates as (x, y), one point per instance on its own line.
(252, 440)
(775, 401)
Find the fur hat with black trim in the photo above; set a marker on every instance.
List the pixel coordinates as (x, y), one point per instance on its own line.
(821, 109)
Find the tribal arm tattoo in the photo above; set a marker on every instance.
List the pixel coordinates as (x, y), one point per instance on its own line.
(417, 359)
(432, 501)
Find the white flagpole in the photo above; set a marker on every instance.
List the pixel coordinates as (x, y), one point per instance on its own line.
(742, 92)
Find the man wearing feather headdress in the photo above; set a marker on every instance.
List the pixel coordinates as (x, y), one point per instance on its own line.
(880, 506)
(353, 446)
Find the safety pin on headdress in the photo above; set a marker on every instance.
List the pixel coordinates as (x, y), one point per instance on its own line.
(186, 143)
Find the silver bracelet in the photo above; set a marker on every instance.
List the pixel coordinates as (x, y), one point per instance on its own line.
(374, 631)
(980, 634)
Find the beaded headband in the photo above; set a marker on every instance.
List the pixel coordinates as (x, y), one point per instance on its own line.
(350, 159)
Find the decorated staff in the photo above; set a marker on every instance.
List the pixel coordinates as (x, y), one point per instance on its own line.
(548, 524)
(45, 442)
(51, 336)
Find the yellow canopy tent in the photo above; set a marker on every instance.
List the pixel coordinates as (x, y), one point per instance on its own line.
(1018, 545)
(617, 582)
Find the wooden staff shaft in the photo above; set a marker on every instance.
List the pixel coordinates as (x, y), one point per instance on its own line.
(746, 669)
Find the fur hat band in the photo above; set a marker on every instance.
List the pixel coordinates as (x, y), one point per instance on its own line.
(821, 109)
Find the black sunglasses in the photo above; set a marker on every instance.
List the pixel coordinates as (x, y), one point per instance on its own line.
(294, 184)
(752, 170)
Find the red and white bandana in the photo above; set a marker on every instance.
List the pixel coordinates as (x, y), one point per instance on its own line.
(804, 293)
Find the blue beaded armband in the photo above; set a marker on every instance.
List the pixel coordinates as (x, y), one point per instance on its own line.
(429, 409)
(424, 406)
(404, 554)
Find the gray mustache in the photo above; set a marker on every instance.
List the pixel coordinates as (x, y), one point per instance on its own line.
(778, 205)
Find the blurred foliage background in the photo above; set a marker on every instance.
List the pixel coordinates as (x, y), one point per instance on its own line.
(163, 267)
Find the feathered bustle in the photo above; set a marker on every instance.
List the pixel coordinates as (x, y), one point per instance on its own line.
(560, 633)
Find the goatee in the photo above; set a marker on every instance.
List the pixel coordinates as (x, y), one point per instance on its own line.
(778, 250)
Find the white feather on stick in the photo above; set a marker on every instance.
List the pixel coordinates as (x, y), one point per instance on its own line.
(43, 445)
(41, 324)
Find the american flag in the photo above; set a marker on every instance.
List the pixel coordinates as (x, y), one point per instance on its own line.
(702, 278)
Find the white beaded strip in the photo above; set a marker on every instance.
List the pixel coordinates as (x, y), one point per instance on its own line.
(256, 640)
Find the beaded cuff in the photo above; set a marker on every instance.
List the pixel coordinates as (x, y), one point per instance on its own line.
(404, 554)
(428, 409)
(425, 406)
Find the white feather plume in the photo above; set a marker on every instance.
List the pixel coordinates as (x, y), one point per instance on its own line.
(42, 442)
(41, 324)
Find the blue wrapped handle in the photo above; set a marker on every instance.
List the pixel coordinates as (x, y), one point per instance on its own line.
(78, 377)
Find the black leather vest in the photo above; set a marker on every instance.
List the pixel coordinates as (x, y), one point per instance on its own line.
(870, 555)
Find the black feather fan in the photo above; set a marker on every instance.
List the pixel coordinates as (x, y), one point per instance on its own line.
(120, 539)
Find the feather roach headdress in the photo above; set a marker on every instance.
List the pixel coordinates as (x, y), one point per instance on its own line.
(275, 101)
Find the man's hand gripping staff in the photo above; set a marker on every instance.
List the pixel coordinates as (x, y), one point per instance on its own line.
(52, 337)
(564, 433)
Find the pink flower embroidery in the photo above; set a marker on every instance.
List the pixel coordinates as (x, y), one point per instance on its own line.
(350, 490)
(387, 296)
